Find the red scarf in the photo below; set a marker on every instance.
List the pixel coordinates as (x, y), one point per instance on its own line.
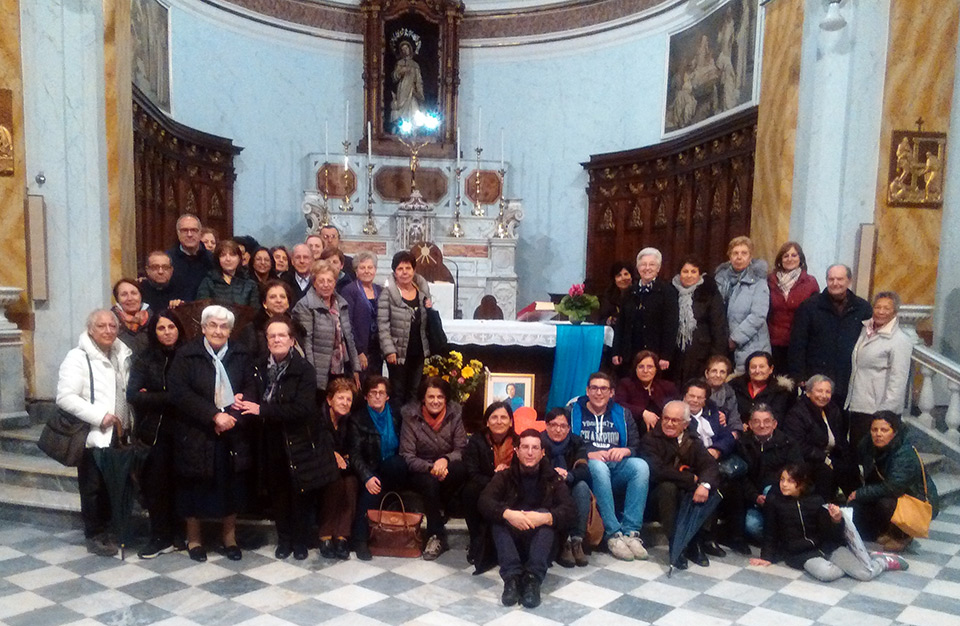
(132, 322)
(434, 422)
(755, 389)
(503, 451)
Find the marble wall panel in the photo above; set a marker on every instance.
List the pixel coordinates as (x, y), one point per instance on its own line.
(921, 60)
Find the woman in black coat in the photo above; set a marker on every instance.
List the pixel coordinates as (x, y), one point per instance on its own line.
(147, 394)
(373, 439)
(488, 452)
(702, 331)
(759, 384)
(299, 459)
(207, 379)
(567, 454)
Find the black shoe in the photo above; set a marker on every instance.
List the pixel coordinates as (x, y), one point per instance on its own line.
(300, 552)
(341, 549)
(740, 546)
(511, 591)
(198, 554)
(713, 549)
(102, 545)
(696, 555)
(681, 563)
(283, 549)
(530, 594)
(155, 548)
(326, 549)
(363, 551)
(232, 552)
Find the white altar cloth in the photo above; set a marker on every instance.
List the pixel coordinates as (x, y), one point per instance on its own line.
(507, 333)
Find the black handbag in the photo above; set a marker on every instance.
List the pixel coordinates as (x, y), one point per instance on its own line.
(436, 336)
(65, 435)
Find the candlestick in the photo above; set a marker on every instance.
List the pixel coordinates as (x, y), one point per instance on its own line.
(369, 141)
(326, 141)
(369, 227)
(479, 126)
(346, 120)
(501, 149)
(457, 230)
(477, 206)
(347, 205)
(502, 232)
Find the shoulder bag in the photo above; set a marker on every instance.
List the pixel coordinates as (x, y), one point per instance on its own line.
(913, 515)
(394, 533)
(65, 435)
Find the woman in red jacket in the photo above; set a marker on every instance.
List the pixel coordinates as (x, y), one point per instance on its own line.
(789, 286)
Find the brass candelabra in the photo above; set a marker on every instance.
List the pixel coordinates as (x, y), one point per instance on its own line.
(457, 230)
(477, 206)
(502, 232)
(346, 205)
(369, 227)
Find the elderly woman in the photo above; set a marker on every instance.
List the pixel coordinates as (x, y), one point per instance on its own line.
(432, 440)
(880, 366)
(621, 279)
(644, 392)
(224, 284)
(133, 315)
(817, 425)
(567, 455)
(328, 340)
(338, 501)
(789, 285)
(759, 384)
(208, 378)
(648, 316)
(362, 295)
(148, 394)
(488, 451)
(92, 387)
(743, 284)
(402, 326)
(702, 330)
(717, 370)
(891, 468)
(374, 441)
(299, 459)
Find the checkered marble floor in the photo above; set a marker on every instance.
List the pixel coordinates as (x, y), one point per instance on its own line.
(47, 579)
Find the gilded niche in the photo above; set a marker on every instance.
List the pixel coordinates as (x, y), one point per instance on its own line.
(917, 161)
(6, 132)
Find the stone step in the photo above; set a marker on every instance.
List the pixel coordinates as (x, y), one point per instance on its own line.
(932, 462)
(948, 486)
(40, 472)
(22, 440)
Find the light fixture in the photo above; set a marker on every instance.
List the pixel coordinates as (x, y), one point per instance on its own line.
(833, 20)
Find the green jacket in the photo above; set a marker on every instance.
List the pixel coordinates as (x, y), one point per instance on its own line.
(894, 470)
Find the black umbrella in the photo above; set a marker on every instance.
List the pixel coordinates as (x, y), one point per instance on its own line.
(118, 467)
(690, 518)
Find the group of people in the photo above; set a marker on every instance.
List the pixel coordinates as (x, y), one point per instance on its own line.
(290, 412)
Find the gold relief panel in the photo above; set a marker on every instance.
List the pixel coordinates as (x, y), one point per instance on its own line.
(636, 217)
(216, 206)
(660, 218)
(637, 188)
(917, 162)
(699, 153)
(606, 220)
(682, 211)
(717, 146)
(736, 207)
(661, 184)
(609, 174)
(191, 206)
(609, 192)
(662, 165)
(216, 176)
(698, 214)
(6, 132)
(716, 210)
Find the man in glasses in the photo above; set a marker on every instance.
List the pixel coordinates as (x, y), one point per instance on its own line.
(156, 288)
(191, 260)
(610, 434)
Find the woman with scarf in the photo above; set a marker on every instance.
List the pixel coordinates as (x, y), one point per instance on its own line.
(743, 284)
(567, 455)
(703, 321)
(362, 295)
(789, 285)
(133, 315)
(208, 378)
(432, 440)
(488, 451)
(374, 442)
(298, 457)
(328, 340)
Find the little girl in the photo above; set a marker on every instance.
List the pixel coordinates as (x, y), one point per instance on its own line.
(804, 532)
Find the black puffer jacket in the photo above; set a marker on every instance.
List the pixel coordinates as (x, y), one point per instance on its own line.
(687, 464)
(797, 529)
(191, 383)
(779, 394)
(504, 492)
(147, 393)
(765, 461)
(648, 321)
(292, 415)
(894, 470)
(805, 427)
(364, 442)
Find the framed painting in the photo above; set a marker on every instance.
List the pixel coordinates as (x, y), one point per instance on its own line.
(150, 31)
(517, 389)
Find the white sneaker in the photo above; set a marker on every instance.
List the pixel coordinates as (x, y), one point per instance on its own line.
(633, 541)
(617, 546)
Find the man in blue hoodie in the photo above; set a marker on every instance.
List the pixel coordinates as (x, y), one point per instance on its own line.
(610, 434)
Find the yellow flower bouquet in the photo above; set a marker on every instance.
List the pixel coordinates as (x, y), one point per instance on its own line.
(464, 377)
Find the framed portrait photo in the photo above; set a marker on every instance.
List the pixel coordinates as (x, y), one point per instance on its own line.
(517, 389)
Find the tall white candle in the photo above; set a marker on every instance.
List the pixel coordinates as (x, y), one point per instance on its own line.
(326, 140)
(346, 121)
(458, 147)
(501, 148)
(369, 142)
(479, 126)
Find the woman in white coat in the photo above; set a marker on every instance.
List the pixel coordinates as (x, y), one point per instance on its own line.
(92, 386)
(881, 365)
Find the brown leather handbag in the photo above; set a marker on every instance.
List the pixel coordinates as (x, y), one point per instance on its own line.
(395, 533)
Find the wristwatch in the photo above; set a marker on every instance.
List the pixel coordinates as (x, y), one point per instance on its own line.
(705, 486)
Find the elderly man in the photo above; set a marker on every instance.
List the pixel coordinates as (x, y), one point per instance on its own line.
(301, 278)
(528, 507)
(825, 330)
(649, 316)
(156, 289)
(92, 387)
(190, 259)
(680, 467)
(610, 434)
(331, 239)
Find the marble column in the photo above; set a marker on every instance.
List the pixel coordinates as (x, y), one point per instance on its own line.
(12, 382)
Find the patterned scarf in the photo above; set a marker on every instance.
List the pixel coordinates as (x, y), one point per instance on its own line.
(275, 372)
(223, 390)
(132, 322)
(786, 280)
(688, 323)
(339, 352)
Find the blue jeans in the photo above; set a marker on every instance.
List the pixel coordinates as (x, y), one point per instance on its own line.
(753, 524)
(631, 476)
(581, 498)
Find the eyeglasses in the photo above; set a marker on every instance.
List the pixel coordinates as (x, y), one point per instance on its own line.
(377, 392)
(158, 268)
(189, 230)
(598, 389)
(671, 420)
(558, 426)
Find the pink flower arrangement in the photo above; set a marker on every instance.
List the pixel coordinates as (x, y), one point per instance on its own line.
(576, 290)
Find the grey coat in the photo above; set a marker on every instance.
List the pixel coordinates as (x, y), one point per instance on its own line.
(881, 365)
(394, 318)
(747, 300)
(314, 316)
(420, 446)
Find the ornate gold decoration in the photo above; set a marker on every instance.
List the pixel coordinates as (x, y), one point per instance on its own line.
(216, 207)
(716, 210)
(171, 198)
(661, 184)
(662, 165)
(660, 218)
(715, 170)
(735, 205)
(698, 175)
(717, 146)
(193, 170)
(682, 211)
(191, 206)
(917, 165)
(682, 158)
(637, 188)
(736, 164)
(699, 153)
(216, 176)
(608, 192)
(609, 174)
(737, 139)
(636, 217)
(606, 220)
(698, 214)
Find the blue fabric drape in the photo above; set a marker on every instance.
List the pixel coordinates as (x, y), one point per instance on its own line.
(577, 356)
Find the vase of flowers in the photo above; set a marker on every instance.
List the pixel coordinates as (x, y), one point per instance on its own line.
(578, 305)
(464, 378)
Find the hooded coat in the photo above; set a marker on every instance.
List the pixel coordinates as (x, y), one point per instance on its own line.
(747, 298)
